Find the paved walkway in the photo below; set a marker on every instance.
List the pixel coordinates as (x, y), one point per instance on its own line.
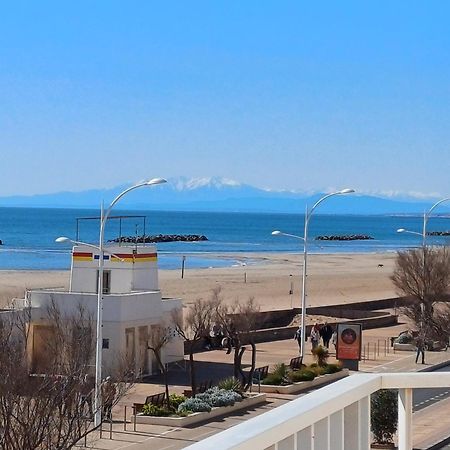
(217, 364)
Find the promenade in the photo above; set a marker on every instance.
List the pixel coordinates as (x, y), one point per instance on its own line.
(427, 430)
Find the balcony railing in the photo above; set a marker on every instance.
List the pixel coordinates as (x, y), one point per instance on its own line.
(336, 417)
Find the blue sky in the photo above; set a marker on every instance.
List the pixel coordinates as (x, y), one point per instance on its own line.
(276, 94)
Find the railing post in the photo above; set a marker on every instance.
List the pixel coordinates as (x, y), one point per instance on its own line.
(337, 430)
(364, 423)
(304, 439)
(351, 427)
(405, 419)
(322, 434)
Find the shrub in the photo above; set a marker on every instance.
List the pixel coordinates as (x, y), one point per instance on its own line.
(273, 379)
(318, 370)
(301, 375)
(321, 355)
(193, 404)
(153, 410)
(332, 368)
(384, 415)
(175, 400)
(280, 370)
(404, 338)
(219, 397)
(230, 384)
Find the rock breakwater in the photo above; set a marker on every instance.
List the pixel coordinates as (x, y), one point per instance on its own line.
(348, 237)
(148, 239)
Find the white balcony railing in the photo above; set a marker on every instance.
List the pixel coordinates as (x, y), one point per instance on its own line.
(336, 417)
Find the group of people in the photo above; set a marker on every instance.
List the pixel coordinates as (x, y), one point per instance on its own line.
(324, 332)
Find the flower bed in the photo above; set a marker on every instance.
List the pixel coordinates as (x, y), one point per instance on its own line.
(285, 381)
(212, 403)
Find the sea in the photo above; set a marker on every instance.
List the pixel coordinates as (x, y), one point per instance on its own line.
(28, 235)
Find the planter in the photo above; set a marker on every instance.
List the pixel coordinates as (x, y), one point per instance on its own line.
(247, 402)
(303, 385)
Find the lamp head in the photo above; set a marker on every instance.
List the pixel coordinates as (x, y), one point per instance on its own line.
(276, 233)
(155, 181)
(62, 240)
(401, 230)
(346, 191)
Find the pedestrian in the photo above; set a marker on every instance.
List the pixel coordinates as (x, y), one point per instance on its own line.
(334, 339)
(420, 344)
(108, 396)
(298, 337)
(315, 336)
(326, 332)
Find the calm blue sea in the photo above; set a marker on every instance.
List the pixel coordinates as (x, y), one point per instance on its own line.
(28, 234)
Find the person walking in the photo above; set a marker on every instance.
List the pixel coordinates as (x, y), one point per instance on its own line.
(420, 344)
(315, 336)
(326, 332)
(298, 338)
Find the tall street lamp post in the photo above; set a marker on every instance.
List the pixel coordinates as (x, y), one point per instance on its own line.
(102, 251)
(99, 340)
(308, 214)
(426, 217)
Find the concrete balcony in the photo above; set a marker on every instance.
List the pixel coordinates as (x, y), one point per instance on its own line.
(336, 417)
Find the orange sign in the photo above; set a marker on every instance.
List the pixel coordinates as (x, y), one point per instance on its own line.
(348, 341)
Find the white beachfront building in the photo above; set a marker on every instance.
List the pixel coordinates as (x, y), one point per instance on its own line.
(132, 305)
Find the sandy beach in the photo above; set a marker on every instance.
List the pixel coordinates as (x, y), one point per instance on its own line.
(332, 279)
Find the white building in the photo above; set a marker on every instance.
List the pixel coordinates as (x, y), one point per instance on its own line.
(132, 305)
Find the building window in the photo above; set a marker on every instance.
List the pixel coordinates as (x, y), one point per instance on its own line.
(106, 281)
(105, 343)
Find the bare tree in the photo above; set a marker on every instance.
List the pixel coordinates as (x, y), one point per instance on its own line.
(193, 328)
(158, 338)
(424, 275)
(49, 408)
(238, 322)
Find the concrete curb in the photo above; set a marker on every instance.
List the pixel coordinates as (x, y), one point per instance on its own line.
(436, 366)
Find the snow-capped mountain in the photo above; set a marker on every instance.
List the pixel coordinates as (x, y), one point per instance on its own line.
(220, 194)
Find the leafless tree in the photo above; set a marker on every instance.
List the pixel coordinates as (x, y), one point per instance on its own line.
(158, 338)
(424, 275)
(238, 322)
(193, 328)
(47, 408)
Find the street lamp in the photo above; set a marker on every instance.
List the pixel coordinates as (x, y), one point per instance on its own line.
(98, 354)
(308, 214)
(426, 217)
(102, 251)
(66, 240)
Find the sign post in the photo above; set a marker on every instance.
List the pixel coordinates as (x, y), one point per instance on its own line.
(348, 344)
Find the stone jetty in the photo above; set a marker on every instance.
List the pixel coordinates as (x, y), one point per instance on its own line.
(438, 233)
(148, 239)
(348, 237)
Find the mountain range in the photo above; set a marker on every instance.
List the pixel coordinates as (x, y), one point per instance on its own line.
(224, 195)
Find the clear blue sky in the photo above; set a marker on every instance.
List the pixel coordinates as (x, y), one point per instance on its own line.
(273, 93)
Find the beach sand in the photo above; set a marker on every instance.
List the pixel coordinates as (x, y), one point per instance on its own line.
(332, 279)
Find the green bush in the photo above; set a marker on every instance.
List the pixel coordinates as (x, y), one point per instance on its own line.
(332, 368)
(318, 370)
(175, 400)
(230, 384)
(280, 370)
(273, 379)
(152, 410)
(384, 417)
(301, 375)
(321, 355)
